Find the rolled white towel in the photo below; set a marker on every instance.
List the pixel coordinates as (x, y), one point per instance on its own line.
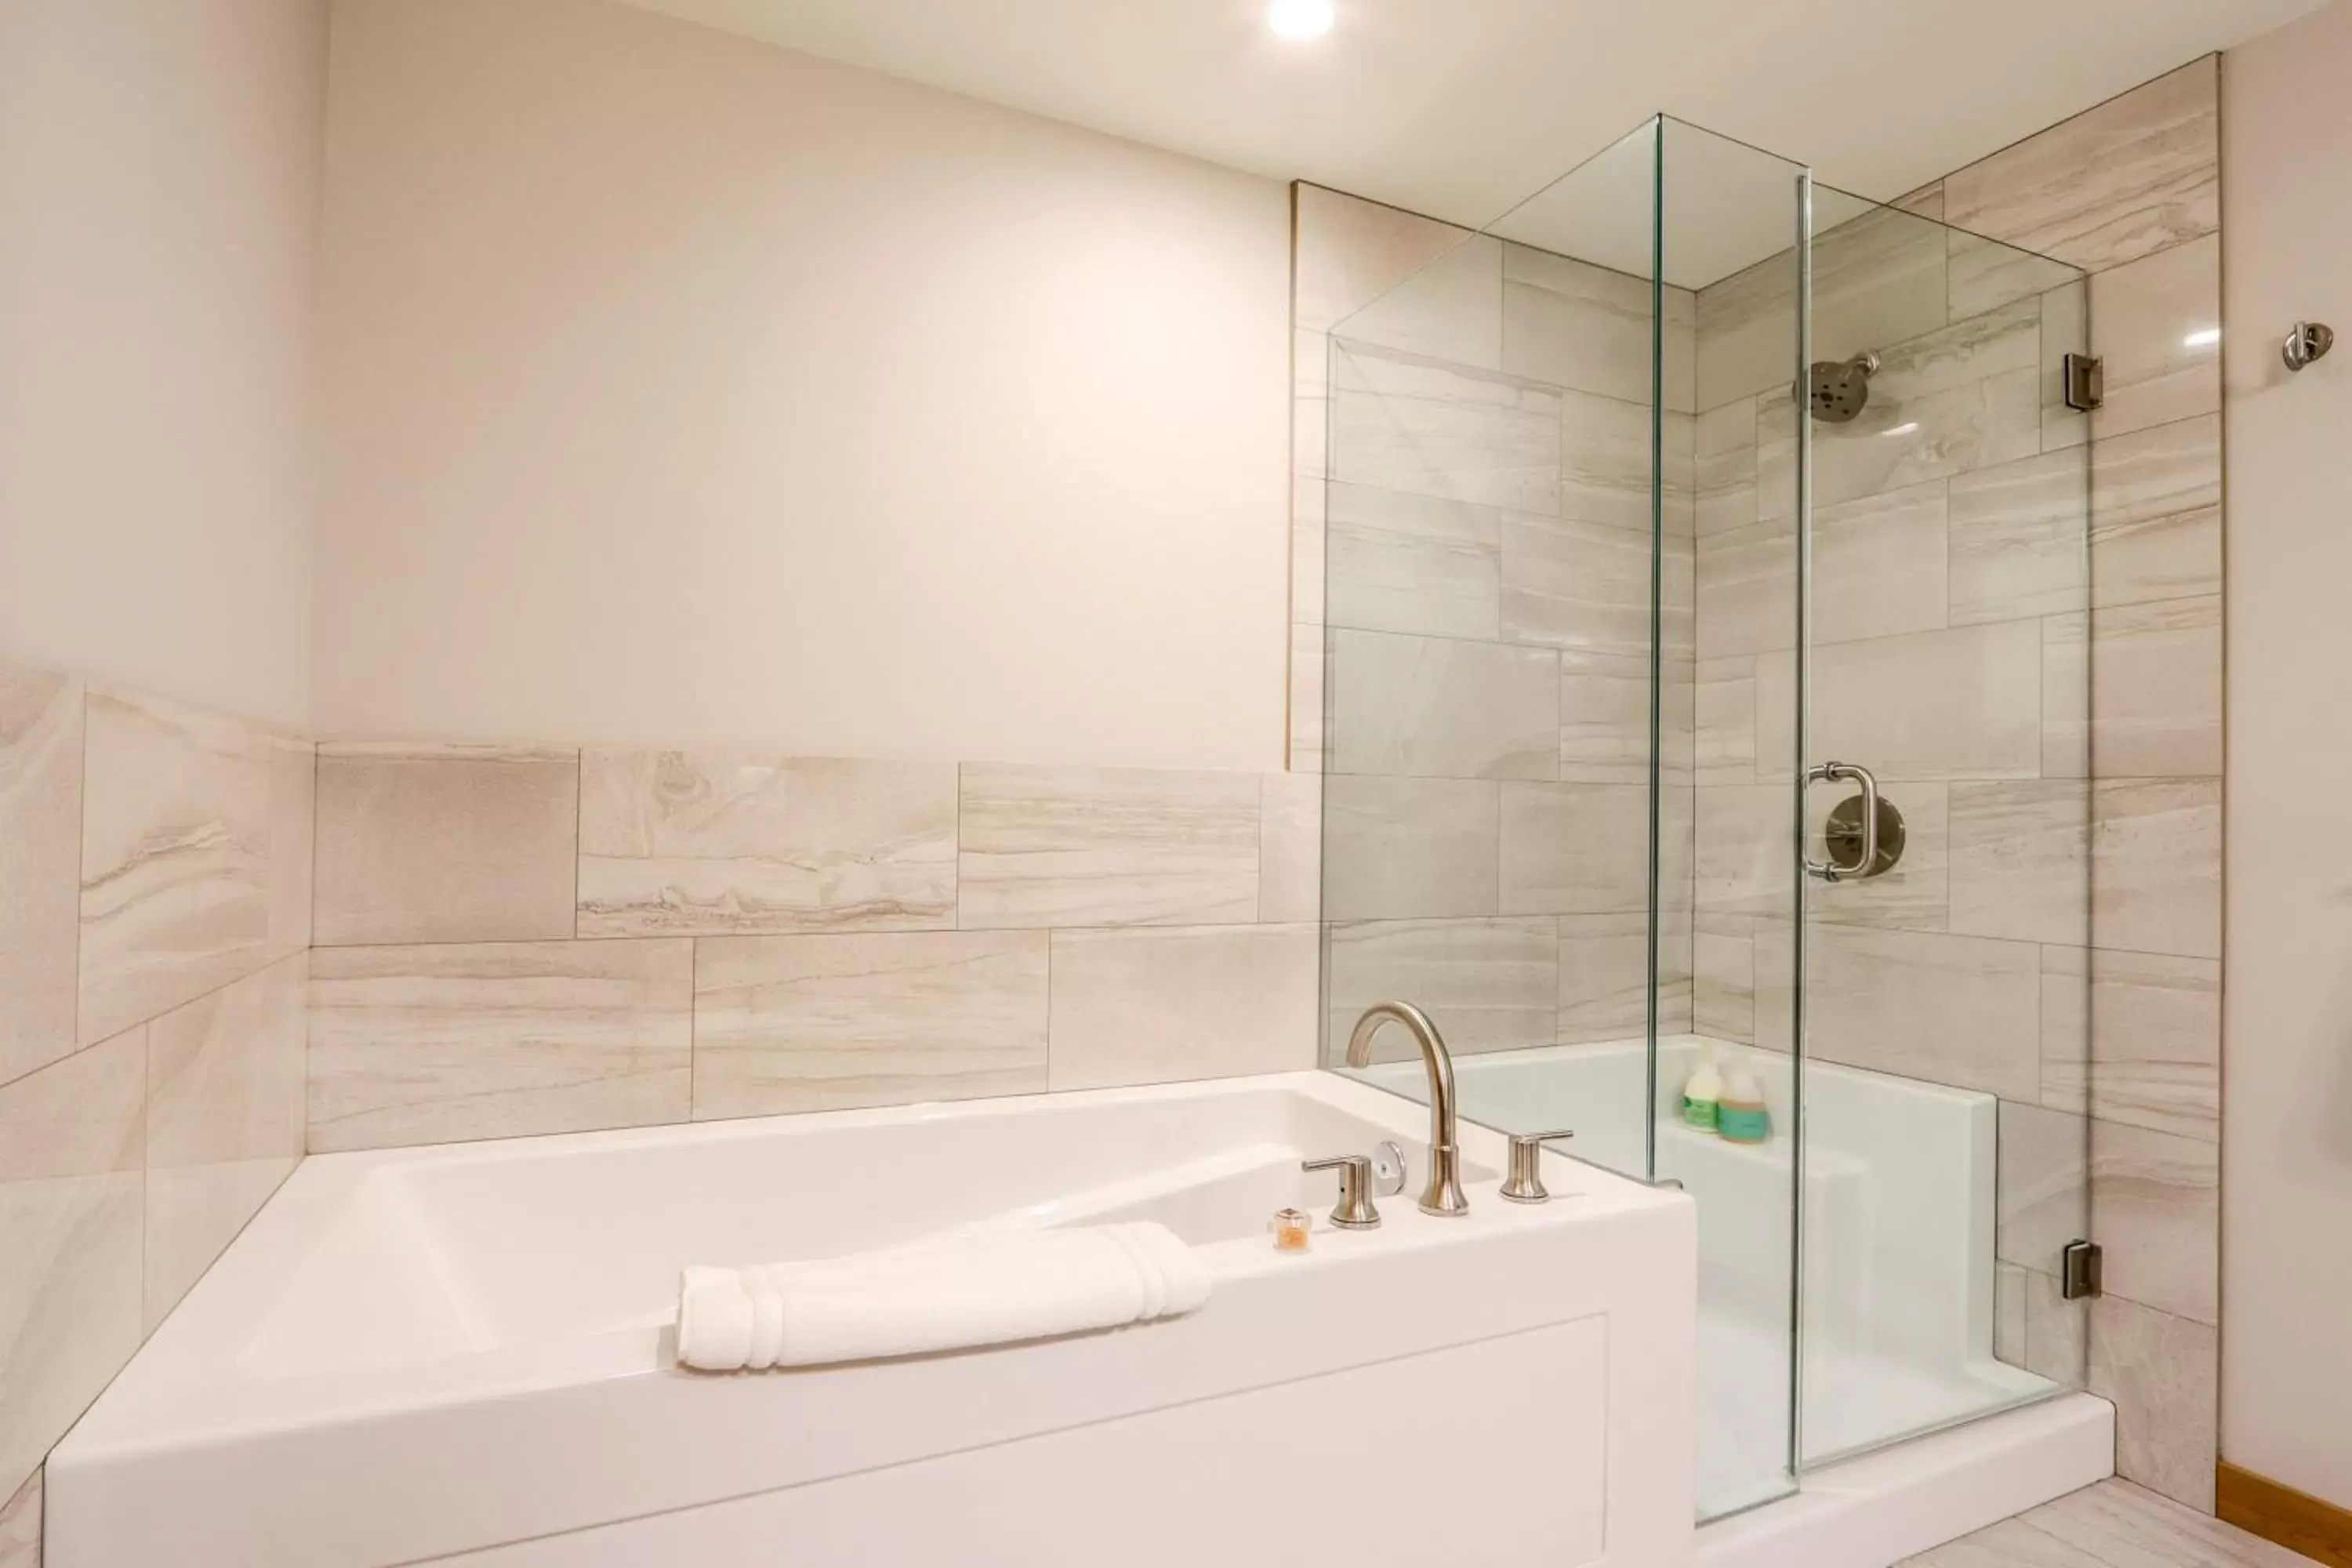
(979, 1290)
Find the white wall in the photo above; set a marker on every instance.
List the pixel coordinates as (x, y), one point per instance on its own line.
(158, 200)
(684, 390)
(2287, 1363)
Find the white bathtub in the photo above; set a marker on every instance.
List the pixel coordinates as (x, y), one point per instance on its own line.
(459, 1355)
(1899, 1214)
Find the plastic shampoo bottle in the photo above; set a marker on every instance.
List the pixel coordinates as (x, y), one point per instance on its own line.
(1704, 1093)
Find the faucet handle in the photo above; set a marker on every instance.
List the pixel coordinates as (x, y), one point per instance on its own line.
(1355, 1211)
(1524, 1184)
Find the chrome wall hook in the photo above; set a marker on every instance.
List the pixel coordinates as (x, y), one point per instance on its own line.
(2306, 342)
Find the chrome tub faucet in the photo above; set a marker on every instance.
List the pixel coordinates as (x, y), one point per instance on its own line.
(1444, 1194)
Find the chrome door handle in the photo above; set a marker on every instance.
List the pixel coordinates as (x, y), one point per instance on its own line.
(1828, 773)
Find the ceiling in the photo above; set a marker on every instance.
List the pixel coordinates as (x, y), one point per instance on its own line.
(1462, 109)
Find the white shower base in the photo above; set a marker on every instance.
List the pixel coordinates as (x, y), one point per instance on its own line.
(1899, 1259)
(1853, 1401)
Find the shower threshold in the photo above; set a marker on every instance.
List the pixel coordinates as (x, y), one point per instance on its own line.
(1880, 1508)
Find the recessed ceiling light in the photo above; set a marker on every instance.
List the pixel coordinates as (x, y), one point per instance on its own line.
(1300, 18)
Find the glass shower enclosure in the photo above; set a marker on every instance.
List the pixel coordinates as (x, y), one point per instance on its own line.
(1706, 726)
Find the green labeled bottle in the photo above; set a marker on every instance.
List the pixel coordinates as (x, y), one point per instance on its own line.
(1703, 1094)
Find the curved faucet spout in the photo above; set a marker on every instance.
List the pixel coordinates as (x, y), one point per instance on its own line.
(1443, 1195)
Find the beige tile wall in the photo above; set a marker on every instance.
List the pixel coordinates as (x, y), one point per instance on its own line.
(744, 935)
(519, 941)
(2050, 724)
(1471, 605)
(156, 859)
(2131, 192)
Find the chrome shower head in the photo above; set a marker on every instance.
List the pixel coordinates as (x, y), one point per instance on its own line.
(1840, 389)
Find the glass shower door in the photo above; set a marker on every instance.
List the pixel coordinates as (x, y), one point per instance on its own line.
(1938, 732)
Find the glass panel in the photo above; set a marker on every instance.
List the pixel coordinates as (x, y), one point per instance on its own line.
(1734, 236)
(1940, 600)
(1491, 594)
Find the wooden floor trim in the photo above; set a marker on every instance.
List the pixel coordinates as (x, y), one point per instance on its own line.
(2296, 1521)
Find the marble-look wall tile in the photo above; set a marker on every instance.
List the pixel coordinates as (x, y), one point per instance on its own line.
(1878, 279)
(1432, 427)
(2157, 325)
(827, 1022)
(2156, 1209)
(2155, 514)
(2135, 175)
(1987, 274)
(1403, 562)
(1349, 252)
(1725, 700)
(1450, 310)
(1773, 940)
(2133, 1039)
(1410, 848)
(1604, 718)
(1306, 692)
(2021, 859)
(1048, 846)
(2155, 689)
(1605, 464)
(1967, 397)
(70, 1219)
(1747, 330)
(445, 845)
(1604, 976)
(1574, 848)
(1440, 707)
(2021, 539)
(2162, 1373)
(1309, 534)
(1310, 434)
(1959, 704)
(1576, 325)
(696, 844)
(293, 839)
(1724, 469)
(427, 1044)
(1918, 892)
(1289, 848)
(1723, 965)
(2155, 866)
(40, 866)
(2066, 697)
(20, 1526)
(1747, 590)
(1489, 984)
(1586, 586)
(1741, 854)
(1956, 1010)
(1677, 720)
(1928, 201)
(1158, 1006)
(1678, 352)
(2042, 1192)
(175, 873)
(225, 1120)
(1879, 564)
